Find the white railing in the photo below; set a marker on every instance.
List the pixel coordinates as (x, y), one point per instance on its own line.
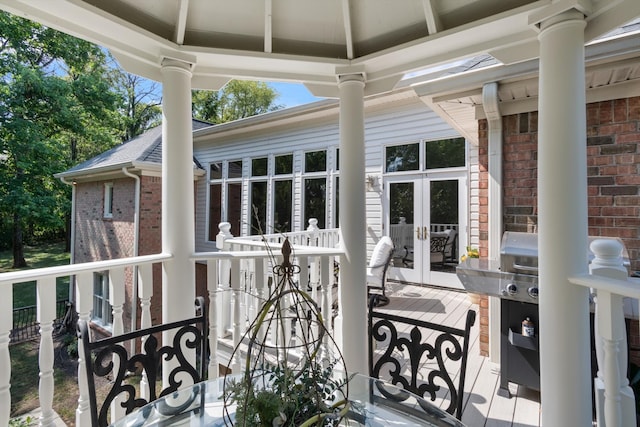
(228, 319)
(237, 280)
(608, 279)
(240, 277)
(402, 233)
(45, 279)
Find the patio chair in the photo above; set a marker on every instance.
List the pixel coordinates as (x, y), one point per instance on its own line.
(413, 354)
(103, 357)
(377, 270)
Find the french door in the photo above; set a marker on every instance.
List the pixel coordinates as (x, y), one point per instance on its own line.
(426, 217)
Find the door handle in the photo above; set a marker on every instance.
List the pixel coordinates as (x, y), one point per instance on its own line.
(419, 236)
(424, 233)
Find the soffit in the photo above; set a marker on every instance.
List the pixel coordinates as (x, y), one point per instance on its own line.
(612, 72)
(312, 42)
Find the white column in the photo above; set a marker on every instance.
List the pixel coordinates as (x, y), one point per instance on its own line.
(565, 361)
(178, 274)
(353, 289)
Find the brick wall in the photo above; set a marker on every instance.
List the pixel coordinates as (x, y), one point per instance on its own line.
(613, 149)
(98, 238)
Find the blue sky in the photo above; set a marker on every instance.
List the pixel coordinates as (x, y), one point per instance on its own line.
(292, 94)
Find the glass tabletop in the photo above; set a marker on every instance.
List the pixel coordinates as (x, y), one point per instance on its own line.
(372, 402)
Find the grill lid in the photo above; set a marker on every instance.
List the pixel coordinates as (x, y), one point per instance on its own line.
(519, 252)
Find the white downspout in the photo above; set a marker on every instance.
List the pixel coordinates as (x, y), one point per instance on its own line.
(72, 237)
(490, 103)
(136, 248)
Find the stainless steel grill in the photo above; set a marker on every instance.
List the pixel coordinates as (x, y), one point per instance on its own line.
(515, 276)
(514, 279)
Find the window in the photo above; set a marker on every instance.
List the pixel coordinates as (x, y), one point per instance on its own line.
(259, 167)
(283, 194)
(399, 158)
(445, 153)
(215, 210)
(284, 164)
(258, 213)
(426, 156)
(282, 204)
(108, 200)
(336, 219)
(315, 197)
(234, 207)
(225, 196)
(235, 169)
(102, 314)
(315, 161)
(215, 171)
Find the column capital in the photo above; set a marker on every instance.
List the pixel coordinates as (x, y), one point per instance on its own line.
(180, 64)
(562, 11)
(351, 74)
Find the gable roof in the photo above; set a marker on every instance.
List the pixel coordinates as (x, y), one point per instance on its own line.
(143, 150)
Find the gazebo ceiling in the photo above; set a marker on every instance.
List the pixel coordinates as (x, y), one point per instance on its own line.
(312, 41)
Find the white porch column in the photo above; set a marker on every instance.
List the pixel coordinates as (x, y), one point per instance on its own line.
(178, 274)
(565, 361)
(353, 289)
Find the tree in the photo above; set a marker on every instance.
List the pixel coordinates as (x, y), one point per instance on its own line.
(141, 107)
(54, 104)
(237, 100)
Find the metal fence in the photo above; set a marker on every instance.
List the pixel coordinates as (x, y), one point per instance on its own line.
(25, 321)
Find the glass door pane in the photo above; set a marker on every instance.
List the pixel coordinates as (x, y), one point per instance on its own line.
(405, 229)
(444, 224)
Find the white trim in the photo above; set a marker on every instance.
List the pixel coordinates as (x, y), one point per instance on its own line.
(107, 201)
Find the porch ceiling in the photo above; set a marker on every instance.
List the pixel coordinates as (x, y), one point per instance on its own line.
(612, 72)
(312, 41)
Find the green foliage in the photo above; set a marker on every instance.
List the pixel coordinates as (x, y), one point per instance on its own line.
(236, 100)
(22, 422)
(291, 398)
(56, 108)
(70, 343)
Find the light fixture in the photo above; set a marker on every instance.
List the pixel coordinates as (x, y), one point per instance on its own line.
(370, 182)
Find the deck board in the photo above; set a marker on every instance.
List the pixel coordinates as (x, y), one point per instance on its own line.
(482, 406)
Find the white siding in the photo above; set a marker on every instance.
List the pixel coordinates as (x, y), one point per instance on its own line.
(389, 123)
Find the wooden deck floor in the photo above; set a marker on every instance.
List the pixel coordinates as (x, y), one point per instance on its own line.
(482, 407)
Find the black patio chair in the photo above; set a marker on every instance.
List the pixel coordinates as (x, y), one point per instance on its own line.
(425, 360)
(102, 356)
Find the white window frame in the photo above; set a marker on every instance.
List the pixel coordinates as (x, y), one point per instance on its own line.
(108, 200)
(101, 313)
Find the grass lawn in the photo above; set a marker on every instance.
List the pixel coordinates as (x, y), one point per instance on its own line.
(24, 356)
(45, 255)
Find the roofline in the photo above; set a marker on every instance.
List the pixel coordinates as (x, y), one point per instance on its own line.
(116, 169)
(449, 87)
(322, 108)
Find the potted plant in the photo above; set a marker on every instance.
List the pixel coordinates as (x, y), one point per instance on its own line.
(290, 375)
(471, 253)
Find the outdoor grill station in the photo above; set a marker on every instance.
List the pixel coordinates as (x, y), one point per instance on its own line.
(514, 280)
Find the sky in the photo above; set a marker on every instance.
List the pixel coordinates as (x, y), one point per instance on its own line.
(292, 94)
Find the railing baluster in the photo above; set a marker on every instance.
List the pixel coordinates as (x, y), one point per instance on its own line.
(224, 267)
(212, 288)
(326, 279)
(116, 299)
(615, 401)
(6, 324)
(145, 292)
(237, 312)
(46, 296)
(84, 302)
(260, 292)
